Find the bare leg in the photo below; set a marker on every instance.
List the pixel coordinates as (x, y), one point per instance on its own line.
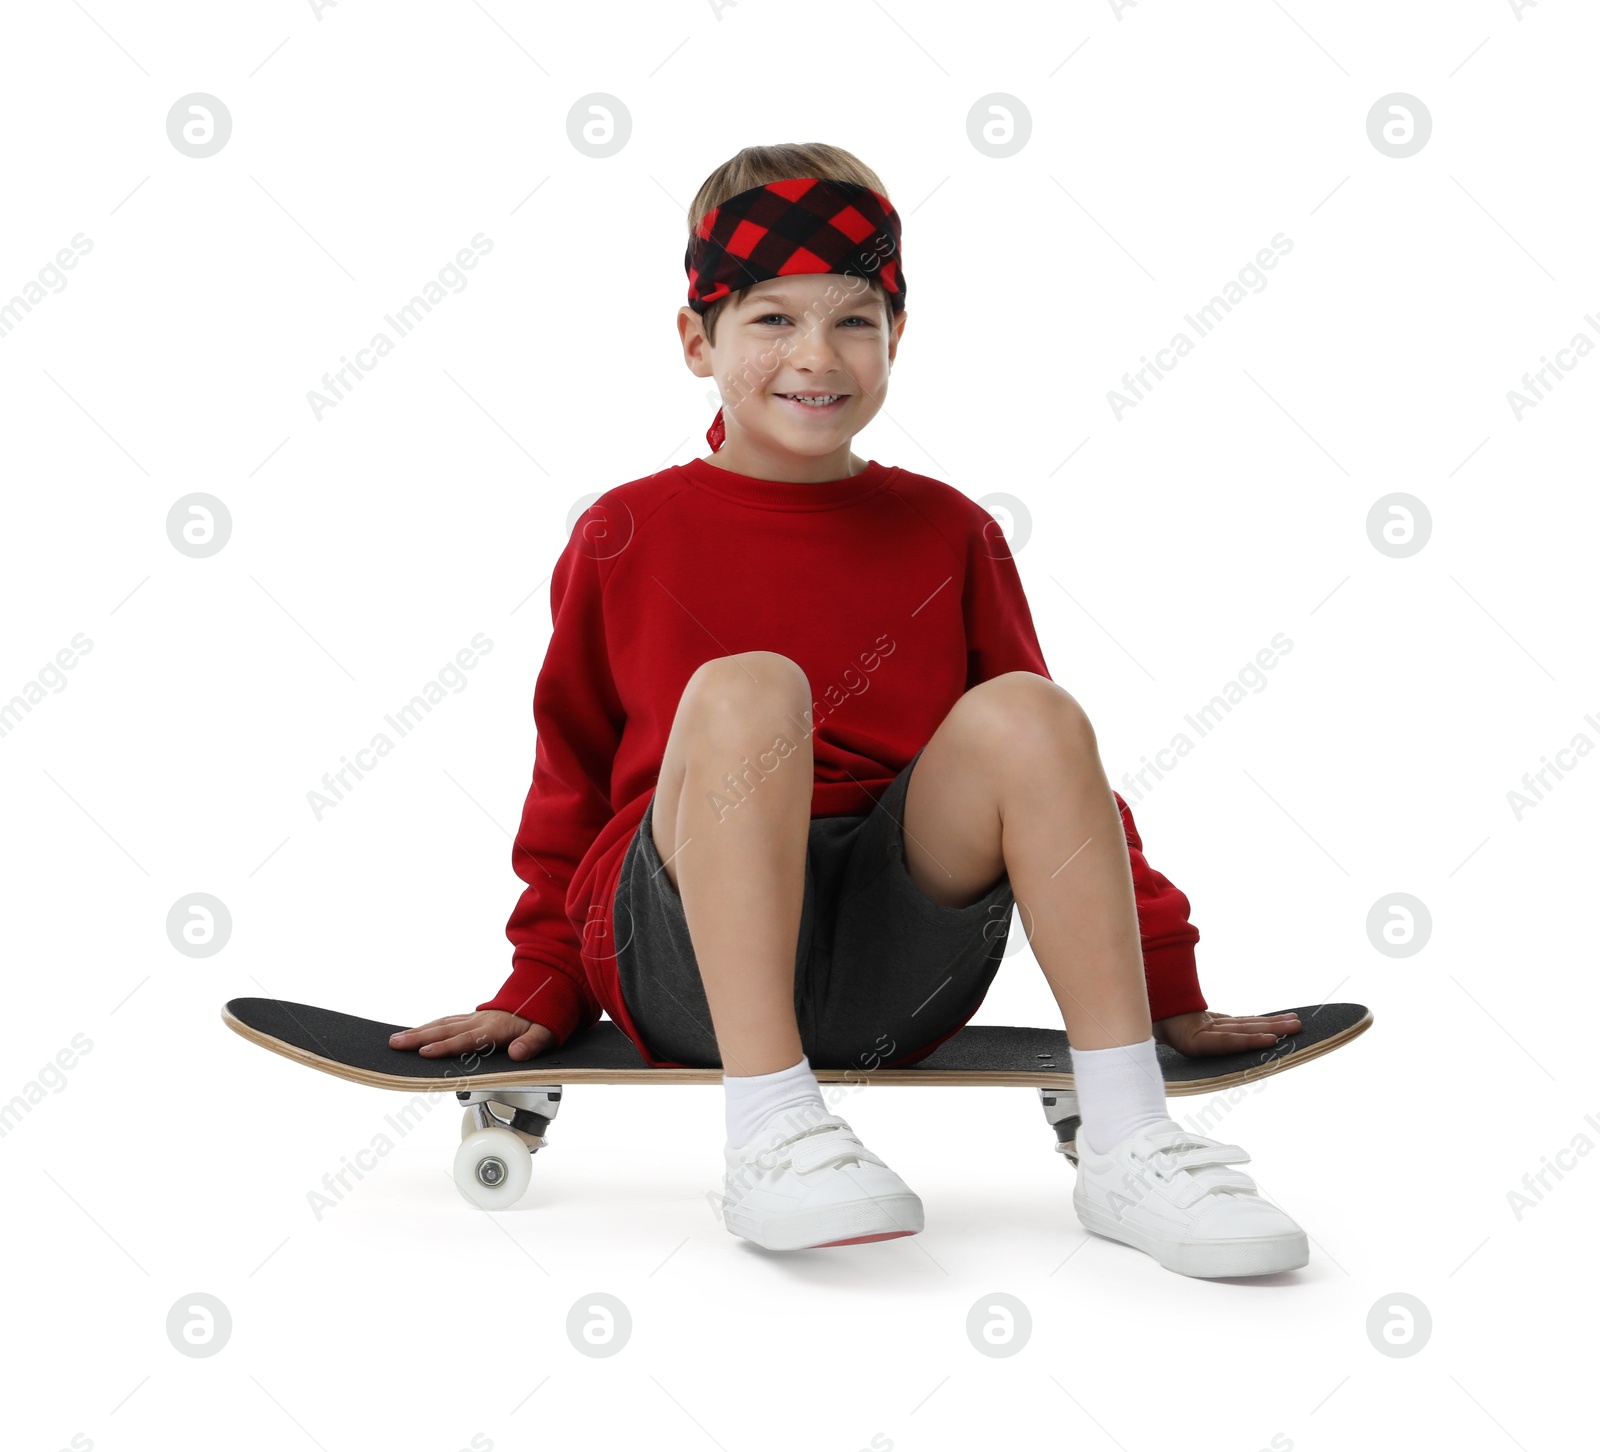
(737, 853)
(1041, 810)
(1014, 782)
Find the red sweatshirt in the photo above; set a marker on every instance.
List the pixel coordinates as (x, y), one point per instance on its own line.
(894, 592)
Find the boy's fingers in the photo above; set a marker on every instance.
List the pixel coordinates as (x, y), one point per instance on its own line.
(534, 1041)
(436, 1023)
(479, 1041)
(1224, 1032)
(435, 1039)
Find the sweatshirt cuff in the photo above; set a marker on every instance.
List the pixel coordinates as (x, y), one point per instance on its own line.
(544, 995)
(1171, 981)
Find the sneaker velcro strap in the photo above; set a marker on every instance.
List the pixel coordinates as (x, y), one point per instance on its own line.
(1195, 1187)
(819, 1150)
(1219, 1154)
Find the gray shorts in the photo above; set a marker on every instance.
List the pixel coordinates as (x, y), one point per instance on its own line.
(882, 971)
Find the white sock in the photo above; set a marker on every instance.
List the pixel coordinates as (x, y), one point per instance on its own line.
(1120, 1091)
(752, 1099)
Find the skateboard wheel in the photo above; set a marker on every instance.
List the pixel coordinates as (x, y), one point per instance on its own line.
(492, 1168)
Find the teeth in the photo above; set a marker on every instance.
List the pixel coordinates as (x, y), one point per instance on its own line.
(816, 400)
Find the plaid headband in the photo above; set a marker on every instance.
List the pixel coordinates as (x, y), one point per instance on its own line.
(804, 224)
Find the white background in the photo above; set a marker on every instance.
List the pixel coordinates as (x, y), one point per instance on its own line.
(1169, 144)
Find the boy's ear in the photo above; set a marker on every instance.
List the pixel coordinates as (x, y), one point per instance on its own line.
(895, 332)
(696, 350)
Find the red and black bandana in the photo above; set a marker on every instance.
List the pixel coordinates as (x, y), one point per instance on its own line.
(804, 224)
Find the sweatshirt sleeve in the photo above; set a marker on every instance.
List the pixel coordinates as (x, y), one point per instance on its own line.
(1001, 638)
(1165, 932)
(578, 719)
(1000, 633)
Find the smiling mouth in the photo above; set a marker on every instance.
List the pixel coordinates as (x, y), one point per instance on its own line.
(815, 401)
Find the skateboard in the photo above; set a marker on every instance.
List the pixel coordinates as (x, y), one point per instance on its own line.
(509, 1103)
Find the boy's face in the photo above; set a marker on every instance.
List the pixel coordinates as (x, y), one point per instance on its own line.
(817, 333)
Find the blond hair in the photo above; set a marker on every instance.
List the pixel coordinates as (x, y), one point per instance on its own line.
(756, 166)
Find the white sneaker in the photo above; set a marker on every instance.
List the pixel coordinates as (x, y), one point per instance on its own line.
(806, 1180)
(1163, 1191)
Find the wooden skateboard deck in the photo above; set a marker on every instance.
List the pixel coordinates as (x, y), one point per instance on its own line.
(1036, 1058)
(510, 1103)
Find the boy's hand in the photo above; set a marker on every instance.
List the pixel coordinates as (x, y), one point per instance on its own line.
(461, 1033)
(1204, 1032)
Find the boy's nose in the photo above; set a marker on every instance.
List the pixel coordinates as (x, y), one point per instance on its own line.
(813, 350)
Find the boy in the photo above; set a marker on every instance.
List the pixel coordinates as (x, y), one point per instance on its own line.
(751, 654)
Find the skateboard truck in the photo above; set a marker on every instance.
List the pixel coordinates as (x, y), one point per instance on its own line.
(1061, 1110)
(495, 1159)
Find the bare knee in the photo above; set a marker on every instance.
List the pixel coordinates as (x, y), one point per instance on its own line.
(739, 716)
(1030, 716)
(752, 686)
